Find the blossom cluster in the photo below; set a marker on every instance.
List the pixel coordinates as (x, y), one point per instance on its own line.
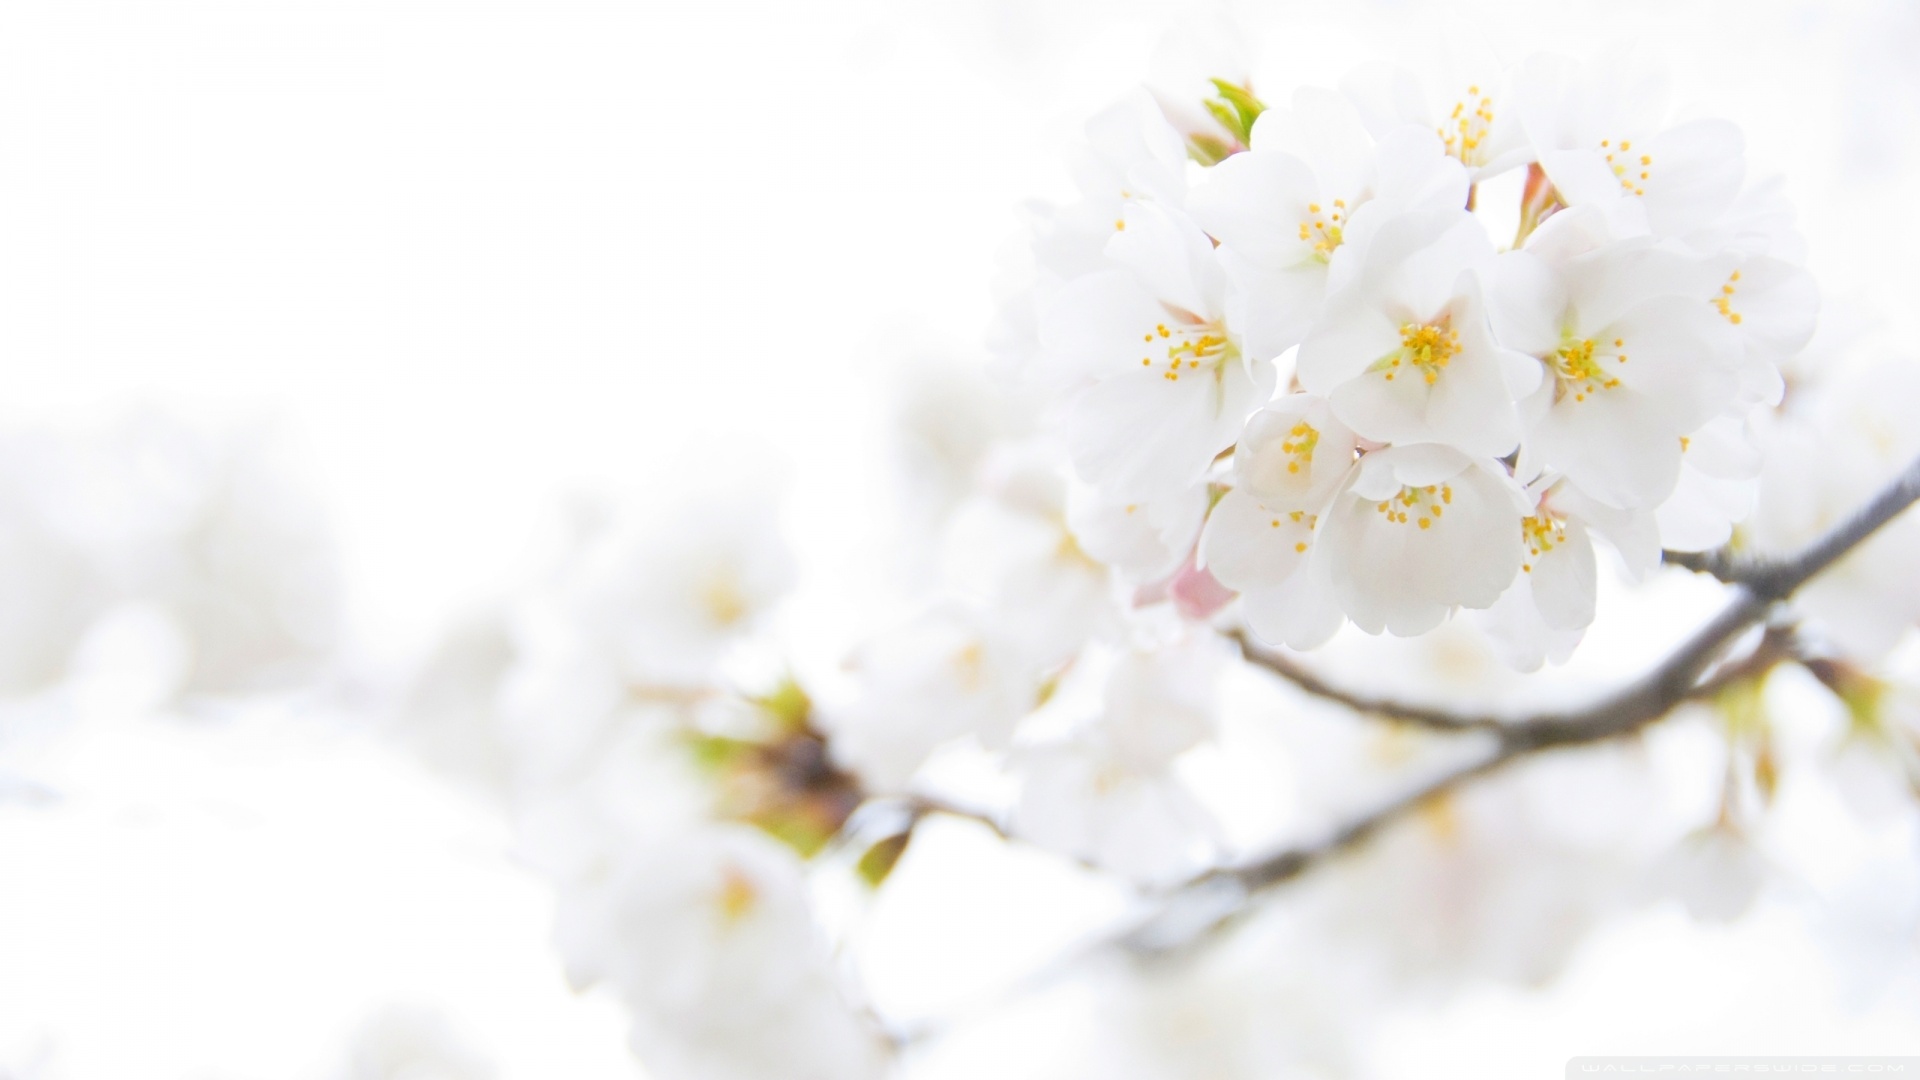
(1323, 355)
(1268, 355)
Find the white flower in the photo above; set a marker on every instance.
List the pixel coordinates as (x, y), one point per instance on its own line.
(1404, 355)
(1142, 540)
(1164, 385)
(707, 936)
(1107, 792)
(670, 592)
(1716, 873)
(1545, 612)
(1419, 531)
(1289, 213)
(411, 1044)
(1183, 78)
(1719, 464)
(1131, 154)
(1601, 132)
(1631, 364)
(1477, 126)
(1289, 463)
(946, 675)
(1821, 468)
(1009, 548)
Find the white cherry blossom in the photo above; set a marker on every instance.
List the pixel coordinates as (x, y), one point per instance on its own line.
(1143, 541)
(1285, 212)
(1294, 456)
(1418, 531)
(946, 675)
(1545, 612)
(1009, 549)
(1164, 385)
(1630, 364)
(707, 936)
(1602, 131)
(1474, 119)
(1131, 154)
(1404, 354)
(668, 594)
(1107, 793)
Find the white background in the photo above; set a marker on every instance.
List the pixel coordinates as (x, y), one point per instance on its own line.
(471, 258)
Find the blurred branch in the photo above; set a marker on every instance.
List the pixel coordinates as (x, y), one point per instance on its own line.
(1719, 563)
(1776, 579)
(1685, 675)
(1300, 676)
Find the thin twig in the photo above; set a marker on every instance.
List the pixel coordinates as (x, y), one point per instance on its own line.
(1677, 679)
(1720, 563)
(1404, 712)
(1775, 579)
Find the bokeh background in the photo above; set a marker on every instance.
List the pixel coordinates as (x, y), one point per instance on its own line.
(434, 273)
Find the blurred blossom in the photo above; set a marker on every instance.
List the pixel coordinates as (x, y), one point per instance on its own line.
(412, 1044)
(205, 532)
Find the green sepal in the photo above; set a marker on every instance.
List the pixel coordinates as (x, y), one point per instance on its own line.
(788, 705)
(879, 860)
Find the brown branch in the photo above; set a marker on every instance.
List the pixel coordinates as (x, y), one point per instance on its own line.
(1307, 680)
(1719, 563)
(1679, 678)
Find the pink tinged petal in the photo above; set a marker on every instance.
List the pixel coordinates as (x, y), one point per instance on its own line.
(1564, 581)
(1197, 594)
(1248, 546)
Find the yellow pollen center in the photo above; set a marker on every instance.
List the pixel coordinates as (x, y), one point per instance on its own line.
(1422, 505)
(1323, 228)
(1299, 446)
(1724, 302)
(1467, 127)
(737, 895)
(1578, 368)
(1541, 533)
(1632, 170)
(1189, 347)
(726, 605)
(1427, 347)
